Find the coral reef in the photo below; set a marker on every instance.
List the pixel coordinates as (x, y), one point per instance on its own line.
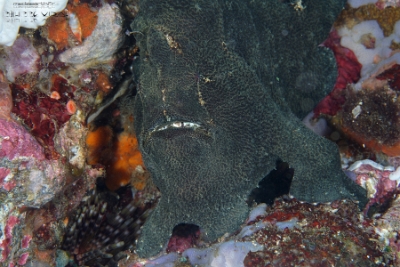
(5, 244)
(57, 28)
(127, 160)
(25, 160)
(86, 20)
(28, 181)
(385, 17)
(47, 224)
(66, 128)
(103, 83)
(387, 3)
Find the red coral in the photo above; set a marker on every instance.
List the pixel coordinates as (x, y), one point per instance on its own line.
(42, 114)
(348, 72)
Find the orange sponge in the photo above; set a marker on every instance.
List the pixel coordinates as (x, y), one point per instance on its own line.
(99, 143)
(87, 18)
(57, 31)
(62, 27)
(126, 158)
(120, 156)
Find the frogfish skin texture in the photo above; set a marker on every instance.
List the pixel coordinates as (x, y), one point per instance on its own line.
(221, 88)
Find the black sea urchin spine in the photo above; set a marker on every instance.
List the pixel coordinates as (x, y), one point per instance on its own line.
(102, 227)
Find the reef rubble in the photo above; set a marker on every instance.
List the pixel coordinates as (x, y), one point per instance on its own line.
(291, 233)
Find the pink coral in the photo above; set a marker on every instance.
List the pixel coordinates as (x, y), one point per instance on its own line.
(17, 142)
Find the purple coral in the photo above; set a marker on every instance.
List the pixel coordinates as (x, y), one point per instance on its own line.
(21, 58)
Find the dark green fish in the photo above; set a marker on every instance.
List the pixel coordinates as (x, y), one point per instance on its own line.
(221, 88)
